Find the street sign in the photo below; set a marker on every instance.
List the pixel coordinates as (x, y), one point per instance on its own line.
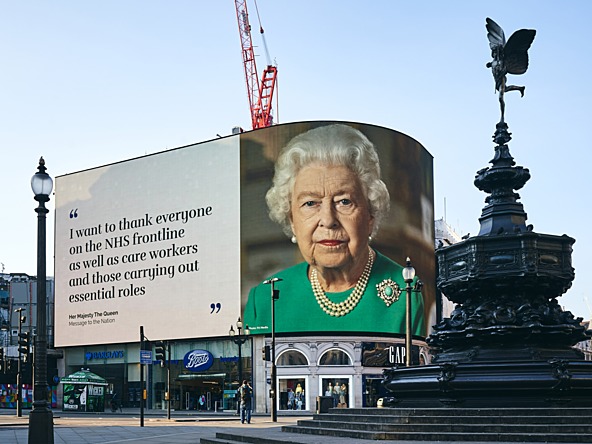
(145, 356)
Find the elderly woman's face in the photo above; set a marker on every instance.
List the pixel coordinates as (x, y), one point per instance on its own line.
(330, 216)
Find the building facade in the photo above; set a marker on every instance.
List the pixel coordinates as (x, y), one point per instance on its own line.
(444, 236)
(18, 314)
(586, 346)
(307, 367)
(346, 367)
(209, 386)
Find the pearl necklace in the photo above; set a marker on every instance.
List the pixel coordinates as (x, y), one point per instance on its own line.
(343, 308)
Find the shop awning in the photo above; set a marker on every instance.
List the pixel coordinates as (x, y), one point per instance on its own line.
(194, 376)
(84, 377)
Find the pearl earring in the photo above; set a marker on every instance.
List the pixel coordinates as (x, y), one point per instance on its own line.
(293, 239)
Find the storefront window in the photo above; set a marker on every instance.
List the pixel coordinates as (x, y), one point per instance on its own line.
(338, 389)
(373, 390)
(292, 393)
(292, 357)
(212, 389)
(335, 357)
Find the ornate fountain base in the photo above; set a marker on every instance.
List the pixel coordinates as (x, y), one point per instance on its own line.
(508, 343)
(495, 378)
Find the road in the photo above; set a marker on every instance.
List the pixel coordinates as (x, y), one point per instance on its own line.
(111, 428)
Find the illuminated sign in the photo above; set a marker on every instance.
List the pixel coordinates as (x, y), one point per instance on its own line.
(116, 354)
(185, 233)
(382, 354)
(198, 360)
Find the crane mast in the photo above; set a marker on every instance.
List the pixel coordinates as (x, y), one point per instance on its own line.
(260, 94)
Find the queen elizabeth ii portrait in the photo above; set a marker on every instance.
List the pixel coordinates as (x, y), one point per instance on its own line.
(329, 199)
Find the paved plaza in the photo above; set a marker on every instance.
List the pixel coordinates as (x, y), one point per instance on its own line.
(111, 428)
(120, 428)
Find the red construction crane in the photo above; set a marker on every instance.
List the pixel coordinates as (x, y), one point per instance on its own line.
(260, 94)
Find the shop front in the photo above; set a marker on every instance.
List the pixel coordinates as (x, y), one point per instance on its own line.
(204, 375)
(117, 364)
(346, 372)
(376, 356)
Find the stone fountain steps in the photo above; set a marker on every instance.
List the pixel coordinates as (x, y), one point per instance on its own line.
(472, 429)
(520, 414)
(511, 425)
(571, 425)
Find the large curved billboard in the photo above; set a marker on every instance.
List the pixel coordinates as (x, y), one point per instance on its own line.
(405, 231)
(177, 240)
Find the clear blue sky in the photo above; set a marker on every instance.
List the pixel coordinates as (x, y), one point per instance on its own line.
(90, 83)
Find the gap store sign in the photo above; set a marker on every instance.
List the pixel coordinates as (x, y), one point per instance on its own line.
(198, 360)
(383, 354)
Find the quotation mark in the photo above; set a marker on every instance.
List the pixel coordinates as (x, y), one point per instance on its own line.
(74, 213)
(217, 306)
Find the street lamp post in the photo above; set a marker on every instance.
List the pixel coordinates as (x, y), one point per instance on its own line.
(239, 340)
(41, 417)
(275, 295)
(408, 276)
(19, 366)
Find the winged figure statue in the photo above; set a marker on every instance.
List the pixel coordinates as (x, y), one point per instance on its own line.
(509, 57)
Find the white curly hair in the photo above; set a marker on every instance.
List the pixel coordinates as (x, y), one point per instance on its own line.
(335, 144)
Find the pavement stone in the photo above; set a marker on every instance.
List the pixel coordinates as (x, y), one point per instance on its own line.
(182, 428)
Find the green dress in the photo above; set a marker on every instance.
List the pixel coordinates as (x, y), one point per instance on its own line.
(297, 310)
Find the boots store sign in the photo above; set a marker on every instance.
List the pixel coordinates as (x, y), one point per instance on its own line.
(198, 360)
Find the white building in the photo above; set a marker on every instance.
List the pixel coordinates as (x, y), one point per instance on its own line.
(445, 236)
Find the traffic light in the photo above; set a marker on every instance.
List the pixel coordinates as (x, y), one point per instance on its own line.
(24, 344)
(52, 371)
(160, 352)
(52, 377)
(265, 353)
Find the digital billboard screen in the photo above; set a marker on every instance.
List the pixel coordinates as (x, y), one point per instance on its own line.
(176, 241)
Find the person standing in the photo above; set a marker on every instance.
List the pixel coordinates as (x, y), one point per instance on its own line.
(291, 399)
(342, 395)
(335, 394)
(246, 394)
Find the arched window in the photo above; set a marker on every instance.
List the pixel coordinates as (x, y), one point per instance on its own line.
(335, 357)
(292, 357)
